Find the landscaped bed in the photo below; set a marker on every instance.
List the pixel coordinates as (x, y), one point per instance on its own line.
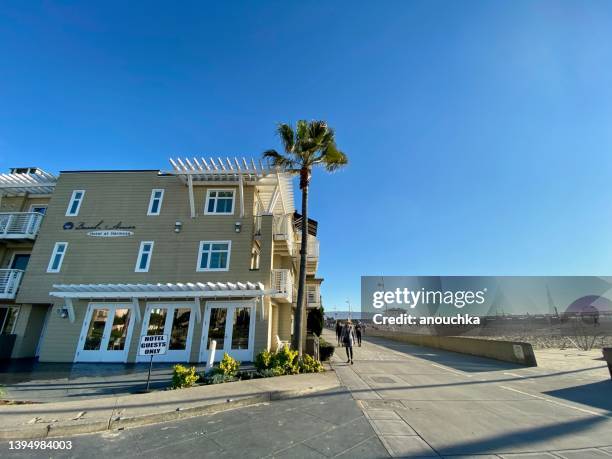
(267, 364)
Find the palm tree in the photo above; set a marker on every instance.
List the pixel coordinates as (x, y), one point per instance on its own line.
(310, 144)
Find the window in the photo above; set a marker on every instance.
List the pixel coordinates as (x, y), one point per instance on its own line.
(8, 318)
(255, 258)
(214, 255)
(38, 209)
(75, 203)
(157, 196)
(144, 257)
(57, 257)
(219, 202)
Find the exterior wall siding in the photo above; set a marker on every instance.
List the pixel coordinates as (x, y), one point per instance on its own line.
(122, 198)
(116, 197)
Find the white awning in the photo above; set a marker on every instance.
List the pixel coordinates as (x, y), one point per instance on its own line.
(37, 182)
(168, 290)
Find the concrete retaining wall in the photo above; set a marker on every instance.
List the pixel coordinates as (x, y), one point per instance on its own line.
(508, 351)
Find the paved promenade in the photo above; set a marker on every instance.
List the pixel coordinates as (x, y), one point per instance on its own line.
(430, 403)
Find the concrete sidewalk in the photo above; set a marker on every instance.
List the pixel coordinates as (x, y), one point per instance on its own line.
(99, 414)
(432, 403)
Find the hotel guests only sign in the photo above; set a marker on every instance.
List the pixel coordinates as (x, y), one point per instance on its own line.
(153, 345)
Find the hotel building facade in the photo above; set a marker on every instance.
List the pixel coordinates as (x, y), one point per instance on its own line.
(93, 260)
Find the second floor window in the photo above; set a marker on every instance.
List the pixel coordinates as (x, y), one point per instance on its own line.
(75, 203)
(157, 196)
(144, 257)
(57, 257)
(214, 255)
(219, 202)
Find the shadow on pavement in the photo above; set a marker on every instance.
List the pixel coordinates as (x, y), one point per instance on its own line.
(523, 439)
(598, 394)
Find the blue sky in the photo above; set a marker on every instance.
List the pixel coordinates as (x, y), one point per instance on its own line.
(479, 132)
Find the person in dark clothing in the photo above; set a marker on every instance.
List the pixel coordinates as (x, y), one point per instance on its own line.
(348, 338)
(338, 331)
(358, 333)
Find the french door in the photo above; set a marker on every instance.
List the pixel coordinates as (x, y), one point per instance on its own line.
(106, 333)
(175, 320)
(232, 326)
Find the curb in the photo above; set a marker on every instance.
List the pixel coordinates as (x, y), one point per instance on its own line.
(69, 428)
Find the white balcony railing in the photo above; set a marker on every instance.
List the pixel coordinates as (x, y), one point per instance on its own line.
(312, 251)
(9, 282)
(19, 225)
(282, 284)
(313, 296)
(282, 228)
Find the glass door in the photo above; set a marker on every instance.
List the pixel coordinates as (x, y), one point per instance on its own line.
(106, 333)
(174, 320)
(232, 326)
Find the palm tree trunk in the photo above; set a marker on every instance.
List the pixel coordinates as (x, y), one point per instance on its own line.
(301, 306)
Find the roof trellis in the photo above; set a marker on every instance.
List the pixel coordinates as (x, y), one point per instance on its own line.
(275, 186)
(38, 182)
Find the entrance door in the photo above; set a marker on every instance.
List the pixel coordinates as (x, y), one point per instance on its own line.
(175, 320)
(232, 325)
(106, 333)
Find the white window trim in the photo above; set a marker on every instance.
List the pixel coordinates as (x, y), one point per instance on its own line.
(72, 199)
(140, 253)
(54, 254)
(152, 199)
(46, 206)
(8, 307)
(229, 253)
(233, 191)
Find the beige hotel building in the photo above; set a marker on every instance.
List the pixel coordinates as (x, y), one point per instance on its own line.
(92, 260)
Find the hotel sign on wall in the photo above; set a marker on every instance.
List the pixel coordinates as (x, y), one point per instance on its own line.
(100, 229)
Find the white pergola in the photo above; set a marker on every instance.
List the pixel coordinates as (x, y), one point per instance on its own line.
(275, 187)
(34, 182)
(134, 292)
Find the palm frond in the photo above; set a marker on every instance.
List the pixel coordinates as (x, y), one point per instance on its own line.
(279, 160)
(333, 159)
(287, 136)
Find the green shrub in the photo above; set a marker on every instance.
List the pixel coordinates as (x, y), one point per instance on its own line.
(309, 364)
(184, 377)
(314, 321)
(270, 372)
(228, 366)
(282, 362)
(263, 359)
(326, 350)
(220, 378)
(286, 360)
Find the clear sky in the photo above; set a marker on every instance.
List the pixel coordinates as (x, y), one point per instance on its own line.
(479, 132)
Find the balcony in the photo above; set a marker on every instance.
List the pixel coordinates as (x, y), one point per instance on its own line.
(312, 254)
(284, 236)
(282, 283)
(313, 296)
(19, 225)
(9, 283)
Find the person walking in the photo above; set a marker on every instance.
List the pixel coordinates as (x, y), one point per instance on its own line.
(338, 331)
(358, 333)
(348, 338)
